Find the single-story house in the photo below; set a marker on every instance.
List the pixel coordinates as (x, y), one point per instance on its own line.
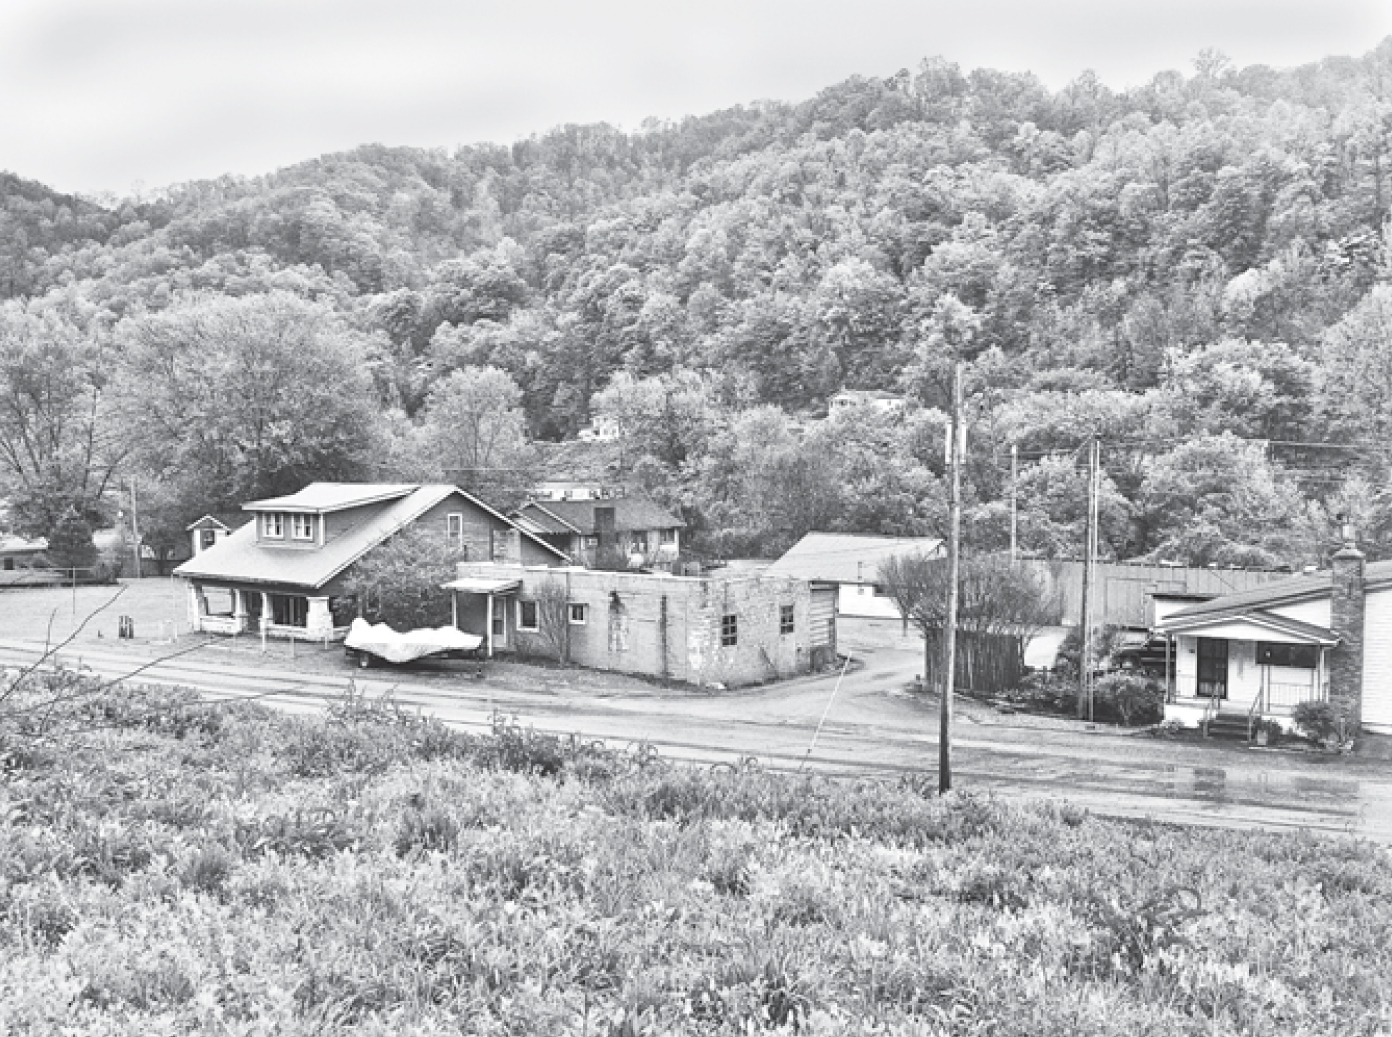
(852, 562)
(730, 628)
(1325, 636)
(281, 572)
(634, 528)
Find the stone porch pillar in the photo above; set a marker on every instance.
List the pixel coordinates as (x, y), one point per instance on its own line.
(266, 610)
(195, 602)
(318, 618)
(239, 611)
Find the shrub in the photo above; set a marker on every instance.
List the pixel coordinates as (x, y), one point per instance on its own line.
(1129, 698)
(1317, 720)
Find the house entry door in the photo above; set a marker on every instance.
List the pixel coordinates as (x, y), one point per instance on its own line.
(1213, 667)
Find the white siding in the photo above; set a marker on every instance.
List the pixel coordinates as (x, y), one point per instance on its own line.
(1377, 661)
(1314, 612)
(860, 599)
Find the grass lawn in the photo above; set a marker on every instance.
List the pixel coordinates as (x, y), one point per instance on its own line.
(172, 868)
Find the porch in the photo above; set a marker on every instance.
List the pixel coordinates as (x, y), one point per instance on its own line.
(229, 609)
(1236, 671)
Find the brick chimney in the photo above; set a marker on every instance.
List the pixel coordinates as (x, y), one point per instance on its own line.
(1346, 608)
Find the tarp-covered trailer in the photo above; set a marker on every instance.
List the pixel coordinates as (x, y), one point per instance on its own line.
(368, 642)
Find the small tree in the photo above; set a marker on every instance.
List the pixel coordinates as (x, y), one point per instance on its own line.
(553, 618)
(400, 583)
(1001, 607)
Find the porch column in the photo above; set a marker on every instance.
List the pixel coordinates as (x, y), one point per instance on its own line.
(239, 610)
(265, 610)
(318, 618)
(195, 613)
(454, 609)
(488, 626)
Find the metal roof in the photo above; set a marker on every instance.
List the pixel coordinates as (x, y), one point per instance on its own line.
(320, 497)
(239, 558)
(1283, 592)
(1282, 625)
(848, 557)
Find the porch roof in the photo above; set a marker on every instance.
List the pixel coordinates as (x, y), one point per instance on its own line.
(480, 585)
(1250, 625)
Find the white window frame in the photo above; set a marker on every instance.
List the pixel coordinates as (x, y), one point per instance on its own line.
(273, 525)
(667, 536)
(577, 613)
(521, 616)
(295, 521)
(787, 620)
(454, 529)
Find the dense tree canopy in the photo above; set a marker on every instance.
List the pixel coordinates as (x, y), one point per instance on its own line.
(1200, 257)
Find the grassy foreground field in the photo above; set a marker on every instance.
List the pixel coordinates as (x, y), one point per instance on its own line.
(171, 868)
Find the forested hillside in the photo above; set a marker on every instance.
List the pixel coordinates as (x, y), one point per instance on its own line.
(1196, 271)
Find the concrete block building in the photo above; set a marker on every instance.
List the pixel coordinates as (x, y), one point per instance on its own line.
(726, 629)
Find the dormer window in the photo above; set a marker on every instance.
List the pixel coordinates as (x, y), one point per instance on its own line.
(302, 527)
(273, 525)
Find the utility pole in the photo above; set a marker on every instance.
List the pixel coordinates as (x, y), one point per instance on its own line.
(135, 528)
(1085, 705)
(954, 557)
(1014, 502)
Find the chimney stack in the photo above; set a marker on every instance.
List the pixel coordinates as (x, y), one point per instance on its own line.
(1346, 608)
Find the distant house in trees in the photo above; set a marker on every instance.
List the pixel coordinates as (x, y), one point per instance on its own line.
(880, 402)
(852, 562)
(1326, 636)
(282, 572)
(592, 523)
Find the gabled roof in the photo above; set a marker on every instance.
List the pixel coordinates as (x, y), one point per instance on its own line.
(1243, 623)
(207, 522)
(1283, 592)
(319, 498)
(240, 558)
(631, 515)
(848, 557)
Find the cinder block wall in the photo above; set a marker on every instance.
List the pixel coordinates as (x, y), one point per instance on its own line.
(671, 626)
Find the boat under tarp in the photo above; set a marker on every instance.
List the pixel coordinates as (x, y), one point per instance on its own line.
(381, 641)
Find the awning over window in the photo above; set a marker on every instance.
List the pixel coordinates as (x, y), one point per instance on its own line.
(479, 585)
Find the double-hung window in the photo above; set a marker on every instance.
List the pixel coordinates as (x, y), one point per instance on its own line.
(527, 618)
(302, 527)
(729, 631)
(273, 525)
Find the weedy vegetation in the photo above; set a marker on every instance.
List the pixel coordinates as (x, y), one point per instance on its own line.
(172, 867)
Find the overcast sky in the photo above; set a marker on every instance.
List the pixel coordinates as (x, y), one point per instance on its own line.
(104, 95)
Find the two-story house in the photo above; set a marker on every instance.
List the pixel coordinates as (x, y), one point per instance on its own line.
(590, 523)
(281, 572)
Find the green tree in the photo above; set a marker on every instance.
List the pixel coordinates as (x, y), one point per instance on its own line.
(472, 433)
(401, 583)
(58, 445)
(232, 400)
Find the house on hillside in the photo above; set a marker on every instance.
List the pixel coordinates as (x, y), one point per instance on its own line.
(852, 562)
(1326, 636)
(588, 523)
(732, 628)
(875, 399)
(282, 572)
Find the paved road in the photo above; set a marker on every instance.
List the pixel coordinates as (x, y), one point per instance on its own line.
(862, 723)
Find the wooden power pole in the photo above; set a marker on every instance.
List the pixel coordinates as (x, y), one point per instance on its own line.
(954, 557)
(1090, 538)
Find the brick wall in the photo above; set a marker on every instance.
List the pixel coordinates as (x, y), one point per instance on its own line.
(1346, 618)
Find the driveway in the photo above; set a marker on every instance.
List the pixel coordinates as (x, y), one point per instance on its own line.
(864, 721)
